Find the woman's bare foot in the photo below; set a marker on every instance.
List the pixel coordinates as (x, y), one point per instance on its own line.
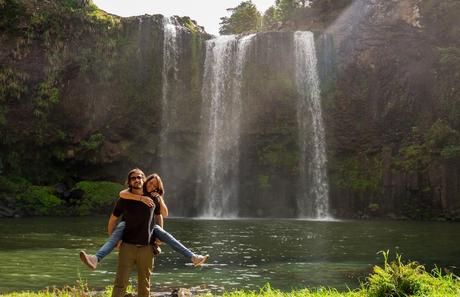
(89, 260)
(199, 260)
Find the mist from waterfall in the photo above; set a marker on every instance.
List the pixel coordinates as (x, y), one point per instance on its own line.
(222, 82)
(313, 201)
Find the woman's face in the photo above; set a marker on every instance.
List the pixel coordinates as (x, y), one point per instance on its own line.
(151, 185)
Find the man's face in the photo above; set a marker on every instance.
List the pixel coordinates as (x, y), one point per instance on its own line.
(135, 180)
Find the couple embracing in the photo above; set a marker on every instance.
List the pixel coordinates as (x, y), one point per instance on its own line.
(141, 208)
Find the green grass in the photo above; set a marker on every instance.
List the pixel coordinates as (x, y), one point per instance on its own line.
(393, 279)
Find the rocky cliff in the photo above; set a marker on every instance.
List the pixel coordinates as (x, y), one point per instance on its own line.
(81, 91)
(393, 111)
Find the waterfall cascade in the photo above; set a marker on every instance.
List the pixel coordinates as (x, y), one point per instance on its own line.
(313, 201)
(218, 173)
(169, 78)
(224, 64)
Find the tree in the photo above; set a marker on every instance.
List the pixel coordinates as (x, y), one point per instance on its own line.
(270, 20)
(244, 18)
(285, 8)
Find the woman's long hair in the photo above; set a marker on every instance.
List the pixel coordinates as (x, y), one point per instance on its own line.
(160, 189)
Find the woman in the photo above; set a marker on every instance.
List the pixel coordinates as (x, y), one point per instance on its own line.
(153, 197)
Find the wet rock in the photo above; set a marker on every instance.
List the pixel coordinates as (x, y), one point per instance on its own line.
(6, 212)
(61, 189)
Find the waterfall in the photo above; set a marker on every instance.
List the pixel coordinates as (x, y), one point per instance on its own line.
(169, 77)
(314, 190)
(224, 64)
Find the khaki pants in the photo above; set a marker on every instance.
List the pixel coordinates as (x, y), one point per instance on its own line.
(130, 255)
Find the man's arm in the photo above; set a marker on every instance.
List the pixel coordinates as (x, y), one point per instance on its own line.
(111, 225)
(126, 194)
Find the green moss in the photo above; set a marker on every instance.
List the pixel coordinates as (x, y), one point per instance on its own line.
(188, 23)
(12, 89)
(263, 181)
(421, 150)
(374, 207)
(98, 196)
(39, 200)
(278, 156)
(360, 173)
(93, 143)
(447, 90)
(13, 184)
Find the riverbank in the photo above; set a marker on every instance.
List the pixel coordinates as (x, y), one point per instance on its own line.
(394, 278)
(19, 198)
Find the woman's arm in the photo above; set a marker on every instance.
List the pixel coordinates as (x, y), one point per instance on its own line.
(126, 194)
(159, 220)
(163, 207)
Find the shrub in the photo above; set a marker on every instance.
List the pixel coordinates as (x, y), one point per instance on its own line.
(98, 196)
(39, 200)
(397, 279)
(13, 184)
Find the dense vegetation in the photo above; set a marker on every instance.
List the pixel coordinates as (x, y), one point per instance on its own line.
(84, 198)
(283, 15)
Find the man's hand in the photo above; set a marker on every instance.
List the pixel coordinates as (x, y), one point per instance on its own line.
(158, 242)
(147, 201)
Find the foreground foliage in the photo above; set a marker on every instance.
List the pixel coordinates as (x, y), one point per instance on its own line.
(393, 279)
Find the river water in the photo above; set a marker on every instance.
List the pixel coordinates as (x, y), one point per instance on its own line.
(43, 252)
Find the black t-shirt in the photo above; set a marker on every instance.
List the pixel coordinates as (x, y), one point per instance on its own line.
(139, 220)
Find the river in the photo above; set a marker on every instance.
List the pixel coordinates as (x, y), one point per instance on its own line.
(43, 252)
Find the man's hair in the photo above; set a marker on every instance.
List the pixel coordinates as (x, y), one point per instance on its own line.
(134, 171)
(161, 189)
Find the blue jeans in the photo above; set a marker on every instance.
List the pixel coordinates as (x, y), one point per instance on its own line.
(167, 238)
(158, 232)
(110, 244)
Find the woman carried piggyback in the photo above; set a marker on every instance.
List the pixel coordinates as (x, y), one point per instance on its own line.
(153, 197)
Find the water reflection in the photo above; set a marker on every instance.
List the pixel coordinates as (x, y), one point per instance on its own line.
(244, 253)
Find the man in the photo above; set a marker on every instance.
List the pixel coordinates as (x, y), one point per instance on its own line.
(135, 249)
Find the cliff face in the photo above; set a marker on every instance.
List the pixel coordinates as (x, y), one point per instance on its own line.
(392, 114)
(81, 98)
(82, 89)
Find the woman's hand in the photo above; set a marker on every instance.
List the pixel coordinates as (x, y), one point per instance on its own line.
(157, 197)
(147, 201)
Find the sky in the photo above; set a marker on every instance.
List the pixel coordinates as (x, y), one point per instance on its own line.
(207, 13)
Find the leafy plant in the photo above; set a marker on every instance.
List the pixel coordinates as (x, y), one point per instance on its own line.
(39, 200)
(397, 279)
(98, 197)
